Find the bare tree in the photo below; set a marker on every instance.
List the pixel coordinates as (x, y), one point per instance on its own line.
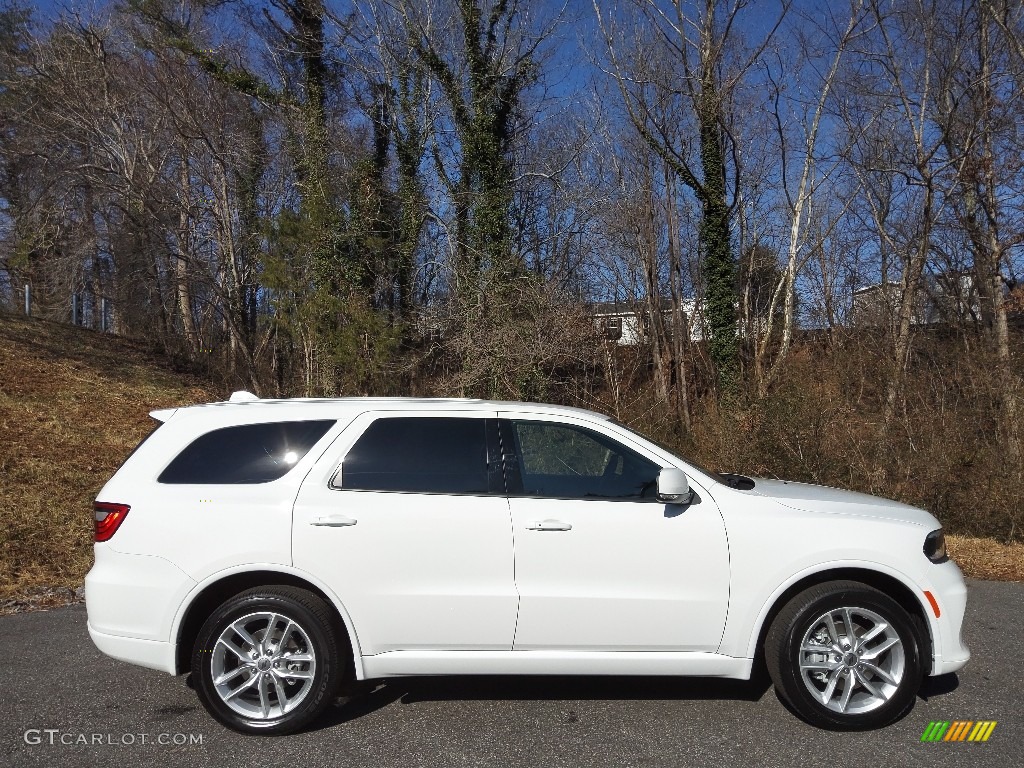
(805, 116)
(979, 118)
(906, 75)
(682, 77)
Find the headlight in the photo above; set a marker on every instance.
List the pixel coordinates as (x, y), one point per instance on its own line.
(935, 546)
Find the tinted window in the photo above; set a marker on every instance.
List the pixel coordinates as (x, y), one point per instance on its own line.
(562, 461)
(420, 455)
(254, 453)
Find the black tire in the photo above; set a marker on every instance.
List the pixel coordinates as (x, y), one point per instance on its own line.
(313, 624)
(865, 708)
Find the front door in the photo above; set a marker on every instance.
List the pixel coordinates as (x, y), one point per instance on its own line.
(406, 519)
(600, 563)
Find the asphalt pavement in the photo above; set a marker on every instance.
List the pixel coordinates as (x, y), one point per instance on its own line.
(63, 703)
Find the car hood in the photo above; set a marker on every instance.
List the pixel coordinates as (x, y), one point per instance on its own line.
(820, 498)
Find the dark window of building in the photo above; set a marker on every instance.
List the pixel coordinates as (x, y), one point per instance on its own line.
(421, 455)
(253, 453)
(612, 328)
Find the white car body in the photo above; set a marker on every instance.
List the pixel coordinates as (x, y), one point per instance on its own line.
(438, 584)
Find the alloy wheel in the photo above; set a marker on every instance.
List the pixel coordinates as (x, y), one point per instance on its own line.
(851, 660)
(263, 665)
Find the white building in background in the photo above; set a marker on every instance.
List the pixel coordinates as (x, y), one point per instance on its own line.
(628, 324)
(879, 304)
(943, 298)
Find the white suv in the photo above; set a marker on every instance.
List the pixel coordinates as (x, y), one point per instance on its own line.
(280, 550)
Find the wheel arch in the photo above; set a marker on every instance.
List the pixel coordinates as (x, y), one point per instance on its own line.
(892, 585)
(219, 587)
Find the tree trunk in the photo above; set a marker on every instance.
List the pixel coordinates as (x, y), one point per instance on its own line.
(679, 325)
(995, 305)
(715, 240)
(910, 286)
(181, 260)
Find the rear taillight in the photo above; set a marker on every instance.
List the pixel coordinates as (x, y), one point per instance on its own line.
(108, 519)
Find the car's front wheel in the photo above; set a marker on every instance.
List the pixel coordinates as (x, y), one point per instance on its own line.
(267, 660)
(845, 656)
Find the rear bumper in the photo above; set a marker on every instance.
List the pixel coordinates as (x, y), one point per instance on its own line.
(131, 601)
(155, 654)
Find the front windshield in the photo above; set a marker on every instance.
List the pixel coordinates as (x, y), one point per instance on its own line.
(710, 473)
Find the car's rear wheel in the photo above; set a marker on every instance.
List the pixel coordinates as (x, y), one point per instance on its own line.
(845, 656)
(267, 660)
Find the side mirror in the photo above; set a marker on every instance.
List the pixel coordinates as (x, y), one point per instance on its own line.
(673, 486)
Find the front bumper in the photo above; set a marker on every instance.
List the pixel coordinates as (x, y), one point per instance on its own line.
(949, 653)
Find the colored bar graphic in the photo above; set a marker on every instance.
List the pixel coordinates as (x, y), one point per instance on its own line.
(958, 730)
(935, 731)
(954, 731)
(991, 726)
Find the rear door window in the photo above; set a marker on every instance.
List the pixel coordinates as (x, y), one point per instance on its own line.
(252, 453)
(424, 455)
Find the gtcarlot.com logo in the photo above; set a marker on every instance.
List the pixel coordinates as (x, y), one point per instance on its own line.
(958, 730)
(55, 736)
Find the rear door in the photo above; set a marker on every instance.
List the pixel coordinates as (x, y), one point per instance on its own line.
(405, 517)
(601, 564)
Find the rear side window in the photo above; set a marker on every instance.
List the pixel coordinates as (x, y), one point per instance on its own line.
(253, 453)
(419, 455)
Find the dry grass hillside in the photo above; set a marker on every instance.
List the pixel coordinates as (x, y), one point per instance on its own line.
(73, 404)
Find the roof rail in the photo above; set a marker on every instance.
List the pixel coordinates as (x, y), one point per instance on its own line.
(242, 396)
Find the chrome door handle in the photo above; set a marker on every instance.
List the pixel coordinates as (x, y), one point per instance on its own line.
(549, 525)
(334, 521)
